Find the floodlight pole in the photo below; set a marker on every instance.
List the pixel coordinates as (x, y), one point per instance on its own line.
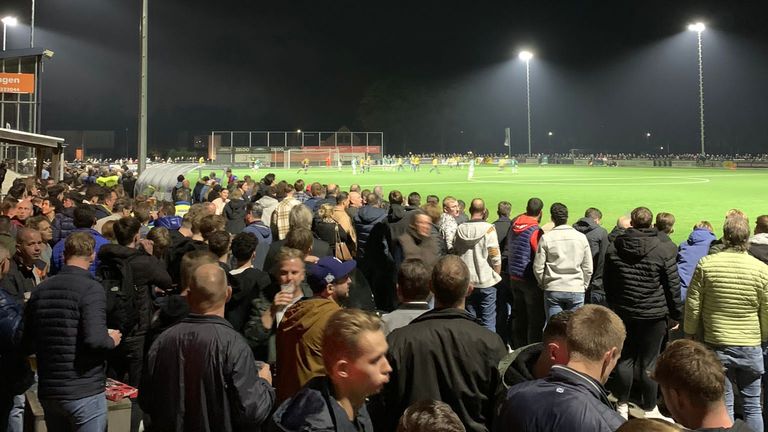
(32, 27)
(143, 91)
(528, 92)
(701, 93)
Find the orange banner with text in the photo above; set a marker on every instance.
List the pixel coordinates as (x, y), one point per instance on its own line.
(17, 83)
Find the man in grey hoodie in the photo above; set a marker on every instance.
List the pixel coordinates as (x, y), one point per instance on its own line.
(477, 244)
(758, 243)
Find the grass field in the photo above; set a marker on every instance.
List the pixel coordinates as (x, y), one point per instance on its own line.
(691, 194)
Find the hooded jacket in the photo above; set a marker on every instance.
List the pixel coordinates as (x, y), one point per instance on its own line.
(315, 409)
(688, 255)
(517, 366)
(235, 211)
(478, 246)
(364, 221)
(758, 247)
(523, 241)
(171, 223)
(641, 281)
(597, 237)
(57, 256)
(559, 402)
(299, 344)
(563, 261)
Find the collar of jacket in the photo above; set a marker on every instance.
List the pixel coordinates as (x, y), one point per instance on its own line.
(202, 319)
(416, 305)
(447, 313)
(77, 271)
(566, 374)
(90, 231)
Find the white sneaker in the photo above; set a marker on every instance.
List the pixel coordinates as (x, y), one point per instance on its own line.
(655, 414)
(623, 410)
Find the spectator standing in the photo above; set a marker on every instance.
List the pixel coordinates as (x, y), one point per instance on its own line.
(643, 288)
(412, 294)
(256, 227)
(477, 244)
(65, 326)
(447, 224)
(84, 221)
(597, 236)
(727, 305)
(354, 355)
(444, 355)
(280, 217)
(299, 335)
(572, 397)
(365, 221)
(235, 211)
(522, 244)
(758, 243)
(430, 416)
(691, 251)
(563, 264)
(221, 201)
(341, 217)
(26, 270)
(250, 282)
(201, 374)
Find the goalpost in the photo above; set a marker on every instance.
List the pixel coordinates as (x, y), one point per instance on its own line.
(329, 157)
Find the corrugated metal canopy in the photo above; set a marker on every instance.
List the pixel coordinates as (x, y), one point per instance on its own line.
(162, 178)
(15, 137)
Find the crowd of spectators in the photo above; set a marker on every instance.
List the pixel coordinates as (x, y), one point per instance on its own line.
(248, 305)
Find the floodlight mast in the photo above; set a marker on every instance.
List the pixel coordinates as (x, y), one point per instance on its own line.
(526, 56)
(699, 28)
(9, 21)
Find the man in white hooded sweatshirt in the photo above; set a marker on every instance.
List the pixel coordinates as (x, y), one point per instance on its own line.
(477, 244)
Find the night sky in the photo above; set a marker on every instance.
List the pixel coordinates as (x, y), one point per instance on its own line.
(434, 76)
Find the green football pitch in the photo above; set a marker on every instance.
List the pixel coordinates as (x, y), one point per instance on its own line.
(691, 194)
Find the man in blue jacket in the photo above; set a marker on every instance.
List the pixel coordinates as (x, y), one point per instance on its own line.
(572, 398)
(84, 220)
(65, 324)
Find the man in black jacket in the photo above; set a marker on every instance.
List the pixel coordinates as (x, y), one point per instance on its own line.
(642, 286)
(65, 325)
(200, 373)
(572, 397)
(444, 355)
(597, 237)
(148, 274)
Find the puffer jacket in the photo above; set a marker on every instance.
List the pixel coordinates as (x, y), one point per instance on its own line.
(15, 374)
(63, 224)
(477, 244)
(235, 211)
(597, 237)
(728, 300)
(559, 402)
(758, 247)
(57, 257)
(689, 253)
(641, 280)
(364, 221)
(522, 243)
(66, 326)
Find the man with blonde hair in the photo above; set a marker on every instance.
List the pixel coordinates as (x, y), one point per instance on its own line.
(447, 224)
(692, 382)
(572, 397)
(354, 354)
(200, 373)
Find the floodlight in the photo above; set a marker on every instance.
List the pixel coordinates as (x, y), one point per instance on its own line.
(10, 21)
(697, 27)
(525, 55)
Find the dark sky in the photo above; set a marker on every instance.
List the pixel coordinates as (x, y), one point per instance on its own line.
(605, 72)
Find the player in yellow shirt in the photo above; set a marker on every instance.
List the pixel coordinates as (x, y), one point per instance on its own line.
(304, 166)
(503, 163)
(399, 164)
(435, 162)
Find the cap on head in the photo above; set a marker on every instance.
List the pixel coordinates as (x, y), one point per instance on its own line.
(328, 270)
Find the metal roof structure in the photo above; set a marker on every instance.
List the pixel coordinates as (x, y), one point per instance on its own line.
(162, 178)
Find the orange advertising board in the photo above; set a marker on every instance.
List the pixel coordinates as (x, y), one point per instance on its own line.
(17, 83)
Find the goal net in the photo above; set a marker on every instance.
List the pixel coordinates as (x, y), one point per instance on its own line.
(324, 157)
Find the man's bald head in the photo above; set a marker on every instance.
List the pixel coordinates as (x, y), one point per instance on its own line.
(208, 290)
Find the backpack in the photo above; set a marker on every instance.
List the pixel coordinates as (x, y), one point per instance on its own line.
(116, 277)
